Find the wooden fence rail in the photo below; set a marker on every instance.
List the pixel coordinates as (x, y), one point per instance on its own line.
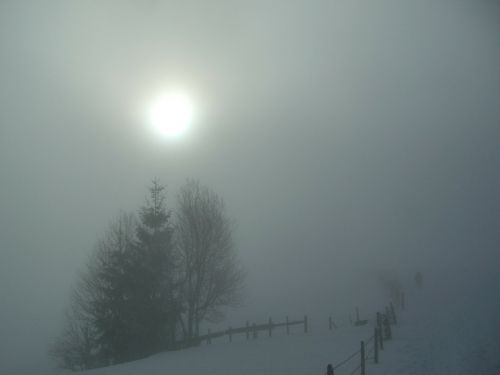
(374, 344)
(247, 329)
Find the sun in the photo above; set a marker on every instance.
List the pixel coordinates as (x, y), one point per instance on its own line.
(172, 114)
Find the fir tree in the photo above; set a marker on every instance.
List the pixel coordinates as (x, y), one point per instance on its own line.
(154, 274)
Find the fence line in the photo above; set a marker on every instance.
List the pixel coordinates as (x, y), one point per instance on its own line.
(247, 329)
(382, 333)
(343, 362)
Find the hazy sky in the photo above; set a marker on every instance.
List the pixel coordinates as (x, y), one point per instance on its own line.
(345, 136)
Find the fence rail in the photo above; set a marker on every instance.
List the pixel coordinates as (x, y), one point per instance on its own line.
(371, 347)
(247, 329)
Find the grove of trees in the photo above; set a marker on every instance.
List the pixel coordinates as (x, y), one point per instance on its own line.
(151, 280)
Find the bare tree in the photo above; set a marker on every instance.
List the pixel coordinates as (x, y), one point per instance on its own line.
(75, 348)
(211, 276)
(99, 327)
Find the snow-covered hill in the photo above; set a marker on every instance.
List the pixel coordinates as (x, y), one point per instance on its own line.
(448, 329)
(445, 329)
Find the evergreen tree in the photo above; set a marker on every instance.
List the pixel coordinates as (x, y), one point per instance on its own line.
(124, 305)
(154, 275)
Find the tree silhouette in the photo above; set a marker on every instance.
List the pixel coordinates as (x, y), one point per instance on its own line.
(211, 276)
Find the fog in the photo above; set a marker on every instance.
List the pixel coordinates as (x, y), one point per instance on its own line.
(346, 138)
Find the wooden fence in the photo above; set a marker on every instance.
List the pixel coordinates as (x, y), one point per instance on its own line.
(369, 349)
(249, 330)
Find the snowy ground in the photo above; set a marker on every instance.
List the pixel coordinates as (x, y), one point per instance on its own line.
(441, 332)
(281, 354)
(445, 332)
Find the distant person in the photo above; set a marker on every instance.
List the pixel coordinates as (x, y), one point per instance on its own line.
(418, 279)
(329, 369)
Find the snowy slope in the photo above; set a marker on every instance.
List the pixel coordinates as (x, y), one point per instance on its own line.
(445, 329)
(295, 354)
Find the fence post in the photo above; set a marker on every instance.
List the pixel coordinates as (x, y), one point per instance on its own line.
(270, 327)
(388, 314)
(375, 342)
(287, 326)
(393, 313)
(305, 324)
(209, 339)
(381, 337)
(254, 331)
(362, 358)
(247, 330)
(387, 327)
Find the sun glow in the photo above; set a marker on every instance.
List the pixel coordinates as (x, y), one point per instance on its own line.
(172, 114)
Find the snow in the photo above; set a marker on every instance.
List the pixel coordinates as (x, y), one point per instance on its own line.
(446, 332)
(298, 353)
(443, 330)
